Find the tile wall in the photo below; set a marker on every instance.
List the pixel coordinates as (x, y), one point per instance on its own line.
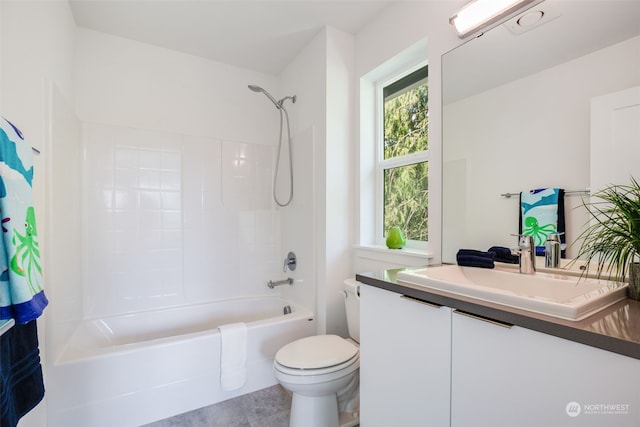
(172, 219)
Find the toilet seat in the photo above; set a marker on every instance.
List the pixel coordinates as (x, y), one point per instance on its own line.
(316, 355)
(354, 361)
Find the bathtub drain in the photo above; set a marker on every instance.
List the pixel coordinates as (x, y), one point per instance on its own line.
(286, 309)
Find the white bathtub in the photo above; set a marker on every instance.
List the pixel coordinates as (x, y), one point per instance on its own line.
(135, 369)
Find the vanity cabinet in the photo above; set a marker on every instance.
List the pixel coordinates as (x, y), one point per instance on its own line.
(424, 365)
(503, 375)
(405, 361)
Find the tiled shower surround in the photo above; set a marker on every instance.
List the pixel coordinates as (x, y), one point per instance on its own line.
(173, 219)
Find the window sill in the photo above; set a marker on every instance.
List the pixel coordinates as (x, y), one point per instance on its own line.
(405, 256)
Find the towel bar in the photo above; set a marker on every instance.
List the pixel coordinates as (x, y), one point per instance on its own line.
(586, 191)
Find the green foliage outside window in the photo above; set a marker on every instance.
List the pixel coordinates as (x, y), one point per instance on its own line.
(406, 188)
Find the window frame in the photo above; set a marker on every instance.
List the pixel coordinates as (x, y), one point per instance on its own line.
(381, 164)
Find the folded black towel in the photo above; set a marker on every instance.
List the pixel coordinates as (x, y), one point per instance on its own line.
(21, 384)
(475, 258)
(504, 255)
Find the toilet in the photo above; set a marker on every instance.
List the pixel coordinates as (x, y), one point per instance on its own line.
(322, 372)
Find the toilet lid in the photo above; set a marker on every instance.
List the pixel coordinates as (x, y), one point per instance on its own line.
(316, 352)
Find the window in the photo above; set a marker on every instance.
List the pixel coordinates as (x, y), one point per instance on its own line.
(402, 178)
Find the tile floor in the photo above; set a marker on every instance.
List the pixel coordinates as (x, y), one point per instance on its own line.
(268, 407)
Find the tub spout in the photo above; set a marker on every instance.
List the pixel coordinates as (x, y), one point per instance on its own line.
(271, 284)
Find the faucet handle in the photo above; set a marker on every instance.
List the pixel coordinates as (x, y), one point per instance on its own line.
(554, 237)
(525, 241)
(290, 262)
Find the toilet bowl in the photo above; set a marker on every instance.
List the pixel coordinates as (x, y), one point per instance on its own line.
(317, 370)
(322, 372)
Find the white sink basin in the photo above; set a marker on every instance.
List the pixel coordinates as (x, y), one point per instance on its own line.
(555, 295)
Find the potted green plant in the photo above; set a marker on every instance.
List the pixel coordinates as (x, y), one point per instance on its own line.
(612, 239)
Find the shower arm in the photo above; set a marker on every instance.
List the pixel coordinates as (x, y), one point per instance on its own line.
(292, 98)
(279, 104)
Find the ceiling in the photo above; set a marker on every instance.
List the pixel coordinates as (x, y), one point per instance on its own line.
(574, 28)
(263, 35)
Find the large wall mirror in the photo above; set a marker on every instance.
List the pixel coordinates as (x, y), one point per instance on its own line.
(517, 114)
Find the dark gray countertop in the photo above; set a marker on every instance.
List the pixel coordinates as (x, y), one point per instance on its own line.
(615, 329)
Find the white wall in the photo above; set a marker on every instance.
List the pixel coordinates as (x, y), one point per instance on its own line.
(305, 77)
(36, 49)
(201, 106)
(339, 192)
(174, 219)
(119, 83)
(179, 160)
(122, 89)
(552, 150)
(130, 84)
(63, 249)
(127, 83)
(319, 221)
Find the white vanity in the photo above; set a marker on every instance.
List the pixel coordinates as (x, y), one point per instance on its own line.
(432, 358)
(405, 374)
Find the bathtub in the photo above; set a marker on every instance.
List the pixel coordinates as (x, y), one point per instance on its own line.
(134, 369)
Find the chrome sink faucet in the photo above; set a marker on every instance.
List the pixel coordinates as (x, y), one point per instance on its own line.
(526, 254)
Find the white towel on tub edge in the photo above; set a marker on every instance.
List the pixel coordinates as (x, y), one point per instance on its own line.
(233, 356)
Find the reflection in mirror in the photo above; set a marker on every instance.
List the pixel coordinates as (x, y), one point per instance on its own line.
(517, 114)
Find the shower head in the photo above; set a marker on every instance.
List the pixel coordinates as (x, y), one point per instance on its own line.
(267, 94)
(279, 104)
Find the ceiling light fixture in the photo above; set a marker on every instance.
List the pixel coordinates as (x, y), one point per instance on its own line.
(480, 15)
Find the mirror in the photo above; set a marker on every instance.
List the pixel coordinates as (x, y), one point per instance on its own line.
(516, 114)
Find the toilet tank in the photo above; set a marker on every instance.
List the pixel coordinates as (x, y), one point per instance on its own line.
(352, 305)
